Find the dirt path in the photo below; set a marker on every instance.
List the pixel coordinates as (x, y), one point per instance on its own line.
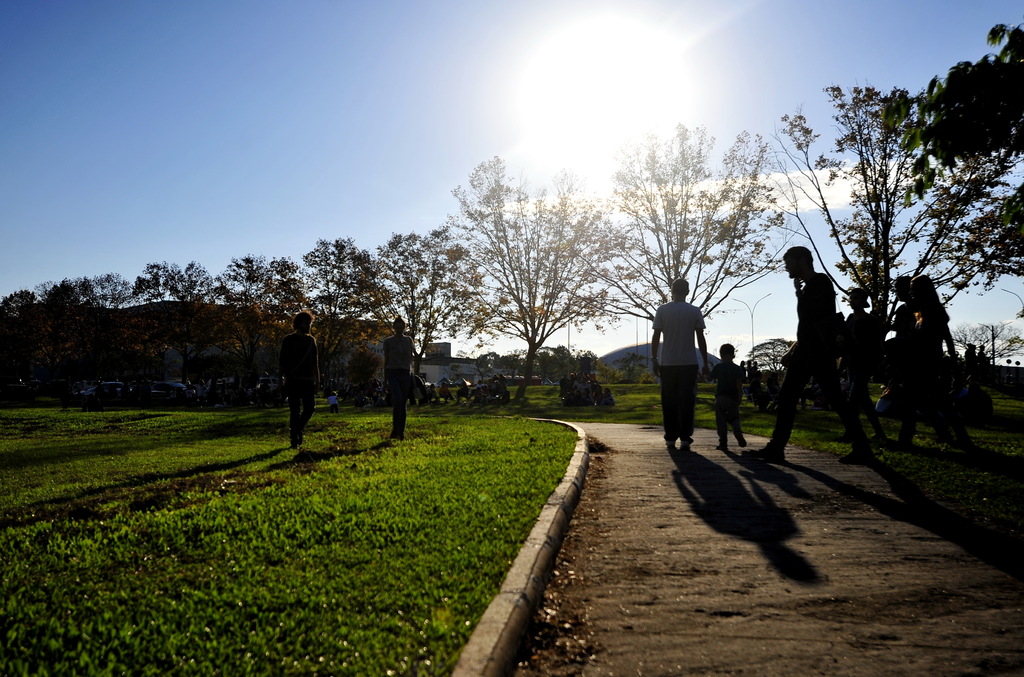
(706, 563)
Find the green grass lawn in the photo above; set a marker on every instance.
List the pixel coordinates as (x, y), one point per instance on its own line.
(170, 542)
(988, 482)
(194, 541)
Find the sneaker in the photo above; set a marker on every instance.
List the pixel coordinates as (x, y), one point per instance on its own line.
(740, 439)
(769, 454)
(684, 445)
(722, 447)
(670, 445)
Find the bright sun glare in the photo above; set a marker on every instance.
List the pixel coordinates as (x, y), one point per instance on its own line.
(590, 87)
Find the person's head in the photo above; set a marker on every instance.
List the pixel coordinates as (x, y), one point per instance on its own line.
(399, 325)
(799, 262)
(680, 290)
(903, 288)
(922, 290)
(727, 352)
(926, 298)
(858, 298)
(303, 321)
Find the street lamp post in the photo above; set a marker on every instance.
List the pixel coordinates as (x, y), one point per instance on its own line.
(751, 311)
(1021, 314)
(1018, 298)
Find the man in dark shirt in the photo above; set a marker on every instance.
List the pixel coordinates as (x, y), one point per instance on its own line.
(300, 369)
(812, 356)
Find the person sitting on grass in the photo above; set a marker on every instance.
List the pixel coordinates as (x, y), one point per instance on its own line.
(728, 394)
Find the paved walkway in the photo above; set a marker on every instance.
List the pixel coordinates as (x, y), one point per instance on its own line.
(709, 563)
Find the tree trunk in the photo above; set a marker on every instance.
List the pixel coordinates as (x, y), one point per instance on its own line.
(531, 357)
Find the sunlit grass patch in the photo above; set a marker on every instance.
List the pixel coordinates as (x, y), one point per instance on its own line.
(361, 557)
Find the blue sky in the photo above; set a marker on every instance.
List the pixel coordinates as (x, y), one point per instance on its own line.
(134, 132)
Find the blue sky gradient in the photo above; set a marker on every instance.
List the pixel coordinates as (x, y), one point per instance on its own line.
(134, 132)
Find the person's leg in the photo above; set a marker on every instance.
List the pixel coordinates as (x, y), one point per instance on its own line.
(399, 381)
(732, 415)
(860, 399)
(294, 414)
(670, 403)
(721, 415)
(308, 401)
(687, 402)
(790, 392)
(827, 377)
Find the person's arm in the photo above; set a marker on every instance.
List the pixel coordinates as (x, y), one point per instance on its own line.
(948, 339)
(702, 345)
(282, 362)
(655, 345)
(316, 364)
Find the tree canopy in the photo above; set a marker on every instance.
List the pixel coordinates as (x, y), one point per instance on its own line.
(534, 251)
(976, 110)
(954, 233)
(686, 215)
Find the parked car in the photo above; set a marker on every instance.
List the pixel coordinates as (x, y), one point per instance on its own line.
(107, 390)
(13, 388)
(167, 390)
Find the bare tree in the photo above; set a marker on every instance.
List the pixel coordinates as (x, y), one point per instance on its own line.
(685, 217)
(432, 282)
(768, 354)
(106, 334)
(259, 296)
(535, 251)
(339, 280)
(182, 305)
(18, 332)
(999, 340)
(57, 322)
(954, 235)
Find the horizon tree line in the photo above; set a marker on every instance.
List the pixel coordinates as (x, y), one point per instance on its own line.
(527, 263)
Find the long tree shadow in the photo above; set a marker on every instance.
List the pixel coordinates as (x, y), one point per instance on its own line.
(72, 505)
(744, 510)
(912, 506)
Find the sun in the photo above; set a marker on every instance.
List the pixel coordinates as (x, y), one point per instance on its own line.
(592, 86)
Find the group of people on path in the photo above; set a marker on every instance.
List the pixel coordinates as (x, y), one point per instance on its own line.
(922, 332)
(923, 337)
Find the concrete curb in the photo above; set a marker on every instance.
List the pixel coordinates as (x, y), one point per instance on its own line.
(492, 647)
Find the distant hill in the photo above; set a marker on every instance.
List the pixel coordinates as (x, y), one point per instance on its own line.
(644, 349)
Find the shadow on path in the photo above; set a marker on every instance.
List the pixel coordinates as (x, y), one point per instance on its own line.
(740, 507)
(912, 506)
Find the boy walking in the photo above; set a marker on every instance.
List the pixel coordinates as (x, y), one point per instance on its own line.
(728, 394)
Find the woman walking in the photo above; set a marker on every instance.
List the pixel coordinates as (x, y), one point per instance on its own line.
(930, 371)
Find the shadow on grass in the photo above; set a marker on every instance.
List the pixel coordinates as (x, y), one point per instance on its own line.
(88, 444)
(912, 506)
(981, 459)
(308, 457)
(161, 488)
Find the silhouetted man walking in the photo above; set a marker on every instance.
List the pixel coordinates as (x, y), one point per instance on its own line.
(682, 324)
(813, 355)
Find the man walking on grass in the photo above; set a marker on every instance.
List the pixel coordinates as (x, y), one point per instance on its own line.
(682, 326)
(813, 355)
